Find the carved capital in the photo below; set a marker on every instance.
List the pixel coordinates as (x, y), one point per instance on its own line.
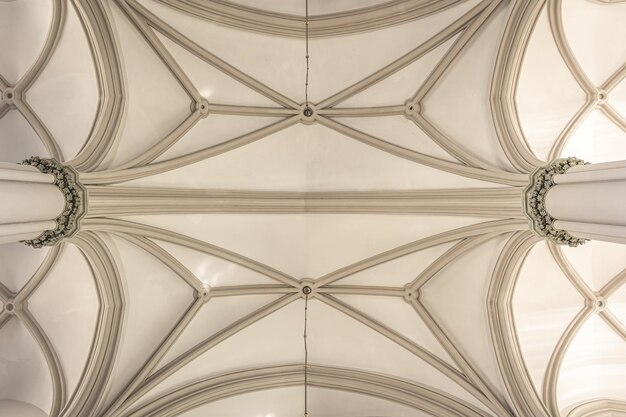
(541, 180)
(68, 222)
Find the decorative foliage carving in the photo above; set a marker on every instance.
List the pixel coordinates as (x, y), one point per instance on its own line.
(66, 178)
(534, 205)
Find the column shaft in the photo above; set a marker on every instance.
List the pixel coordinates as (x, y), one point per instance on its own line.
(589, 201)
(29, 202)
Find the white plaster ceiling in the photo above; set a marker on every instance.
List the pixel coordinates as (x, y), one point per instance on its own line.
(407, 316)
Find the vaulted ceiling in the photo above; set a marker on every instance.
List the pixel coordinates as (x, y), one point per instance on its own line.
(213, 201)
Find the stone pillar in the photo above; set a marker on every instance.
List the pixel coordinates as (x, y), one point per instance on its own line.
(570, 202)
(40, 202)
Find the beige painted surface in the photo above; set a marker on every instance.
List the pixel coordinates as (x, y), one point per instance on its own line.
(211, 198)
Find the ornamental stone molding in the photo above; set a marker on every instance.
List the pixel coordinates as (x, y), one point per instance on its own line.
(541, 222)
(68, 222)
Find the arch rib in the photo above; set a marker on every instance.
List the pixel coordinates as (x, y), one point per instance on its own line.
(420, 397)
(504, 84)
(525, 400)
(89, 394)
(100, 34)
(412, 347)
(498, 226)
(131, 228)
(180, 361)
(334, 24)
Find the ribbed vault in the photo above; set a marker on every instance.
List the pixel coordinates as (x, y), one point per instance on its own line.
(212, 200)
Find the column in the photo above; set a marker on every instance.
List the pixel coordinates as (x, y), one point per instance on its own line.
(41, 202)
(589, 201)
(29, 203)
(570, 202)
